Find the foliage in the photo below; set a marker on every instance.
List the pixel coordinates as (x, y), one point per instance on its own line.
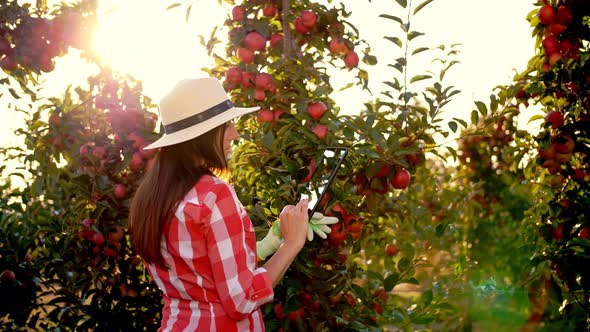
(278, 58)
(487, 234)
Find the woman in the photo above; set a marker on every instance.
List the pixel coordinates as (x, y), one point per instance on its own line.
(190, 228)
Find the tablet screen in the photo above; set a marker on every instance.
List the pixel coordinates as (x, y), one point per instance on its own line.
(327, 165)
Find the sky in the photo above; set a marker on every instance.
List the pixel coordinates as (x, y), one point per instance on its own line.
(159, 47)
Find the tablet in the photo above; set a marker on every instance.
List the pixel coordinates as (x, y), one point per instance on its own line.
(327, 165)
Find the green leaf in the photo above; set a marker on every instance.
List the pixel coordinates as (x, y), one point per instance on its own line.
(404, 264)
(493, 103)
(390, 17)
(453, 126)
(395, 85)
(403, 3)
(394, 40)
(461, 121)
(370, 59)
(427, 297)
(440, 228)
(188, 12)
(474, 117)
(425, 319)
(481, 107)
(174, 5)
(414, 34)
(16, 96)
(390, 281)
(535, 118)
(422, 5)
(419, 78)
(419, 49)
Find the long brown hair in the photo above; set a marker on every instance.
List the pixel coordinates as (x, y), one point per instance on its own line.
(175, 170)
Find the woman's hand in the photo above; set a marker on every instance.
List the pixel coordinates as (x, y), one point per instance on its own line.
(294, 224)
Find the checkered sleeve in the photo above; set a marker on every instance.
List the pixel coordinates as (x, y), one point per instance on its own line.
(231, 243)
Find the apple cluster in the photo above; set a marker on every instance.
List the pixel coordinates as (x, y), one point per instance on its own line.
(108, 246)
(35, 42)
(557, 43)
(396, 176)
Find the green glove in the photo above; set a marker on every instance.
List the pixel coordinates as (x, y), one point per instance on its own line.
(270, 243)
(319, 224)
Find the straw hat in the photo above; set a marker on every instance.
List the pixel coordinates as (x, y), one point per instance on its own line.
(192, 108)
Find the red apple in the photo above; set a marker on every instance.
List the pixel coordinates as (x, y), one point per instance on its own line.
(564, 15)
(259, 94)
(98, 238)
(557, 29)
(565, 46)
(548, 153)
(116, 234)
(245, 55)
(554, 118)
(109, 251)
(46, 63)
(8, 63)
(308, 18)
(563, 144)
(557, 232)
(234, 75)
(320, 131)
(294, 315)
(269, 11)
(305, 296)
(554, 58)
(551, 45)
(401, 179)
(300, 26)
(5, 47)
(546, 14)
(7, 276)
(255, 41)
(264, 81)
(237, 13)
(351, 59)
(136, 162)
(391, 249)
(583, 233)
(265, 115)
(337, 46)
(278, 310)
(383, 171)
(413, 159)
(378, 308)
(314, 306)
(316, 109)
(54, 120)
(275, 38)
(578, 174)
(120, 190)
(248, 79)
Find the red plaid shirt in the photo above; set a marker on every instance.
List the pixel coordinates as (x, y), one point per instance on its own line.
(213, 282)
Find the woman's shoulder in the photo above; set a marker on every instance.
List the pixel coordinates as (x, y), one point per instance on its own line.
(209, 188)
(211, 183)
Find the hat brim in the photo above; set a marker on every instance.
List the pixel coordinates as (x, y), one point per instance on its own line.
(201, 128)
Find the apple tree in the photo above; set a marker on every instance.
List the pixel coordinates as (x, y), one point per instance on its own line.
(557, 81)
(280, 55)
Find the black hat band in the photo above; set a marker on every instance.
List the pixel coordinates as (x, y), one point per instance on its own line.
(199, 117)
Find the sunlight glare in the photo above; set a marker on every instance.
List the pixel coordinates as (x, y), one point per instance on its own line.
(156, 46)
